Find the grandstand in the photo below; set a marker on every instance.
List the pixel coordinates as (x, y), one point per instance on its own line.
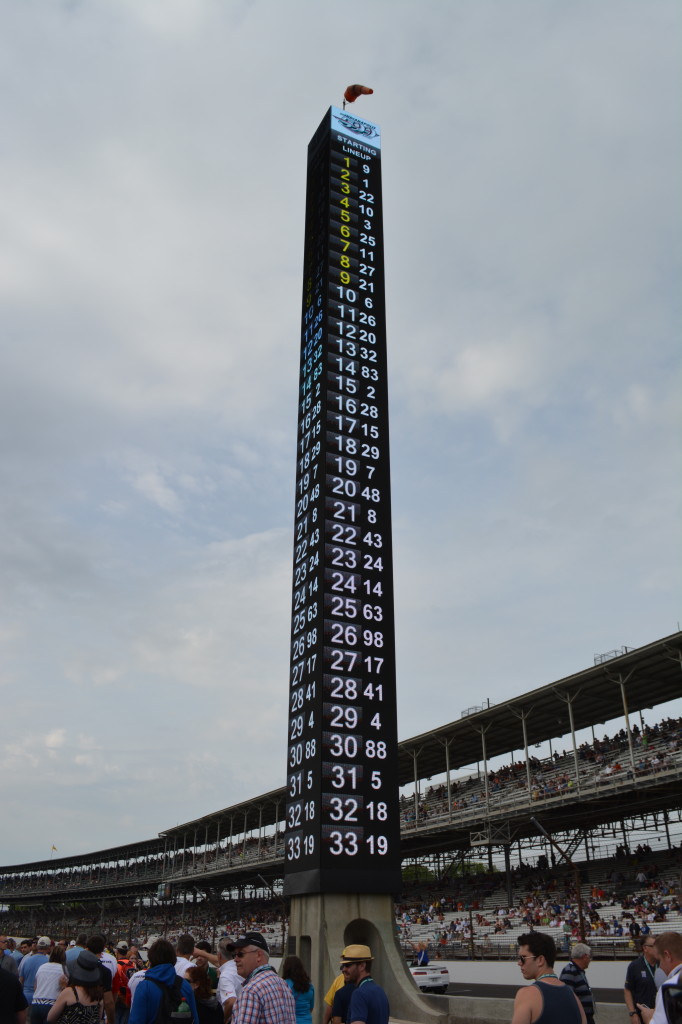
(599, 797)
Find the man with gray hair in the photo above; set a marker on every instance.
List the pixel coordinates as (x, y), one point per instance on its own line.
(573, 974)
(229, 982)
(7, 961)
(265, 998)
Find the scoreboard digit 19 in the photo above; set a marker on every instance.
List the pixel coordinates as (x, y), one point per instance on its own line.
(342, 816)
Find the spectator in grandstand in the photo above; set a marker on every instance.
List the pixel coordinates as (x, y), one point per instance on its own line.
(160, 975)
(209, 1009)
(574, 976)
(76, 948)
(30, 964)
(13, 1002)
(50, 980)
(640, 982)
(296, 977)
(82, 1000)
(668, 946)
(7, 961)
(265, 998)
(547, 998)
(184, 948)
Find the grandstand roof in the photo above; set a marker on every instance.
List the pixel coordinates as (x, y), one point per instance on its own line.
(142, 848)
(651, 675)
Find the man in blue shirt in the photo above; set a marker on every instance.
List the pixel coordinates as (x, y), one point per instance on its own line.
(368, 1001)
(73, 952)
(28, 967)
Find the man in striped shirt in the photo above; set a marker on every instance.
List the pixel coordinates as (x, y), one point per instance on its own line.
(573, 974)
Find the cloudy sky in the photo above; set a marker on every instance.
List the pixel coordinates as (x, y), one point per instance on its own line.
(152, 186)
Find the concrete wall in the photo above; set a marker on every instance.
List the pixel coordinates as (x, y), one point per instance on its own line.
(600, 973)
(465, 1010)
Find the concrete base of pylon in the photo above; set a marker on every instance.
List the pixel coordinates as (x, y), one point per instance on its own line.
(321, 925)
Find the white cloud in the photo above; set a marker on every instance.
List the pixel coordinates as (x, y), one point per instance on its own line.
(55, 739)
(152, 198)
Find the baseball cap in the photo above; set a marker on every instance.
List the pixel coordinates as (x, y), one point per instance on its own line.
(44, 941)
(251, 939)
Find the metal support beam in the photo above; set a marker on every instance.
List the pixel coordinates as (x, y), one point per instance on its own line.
(523, 714)
(568, 700)
(621, 681)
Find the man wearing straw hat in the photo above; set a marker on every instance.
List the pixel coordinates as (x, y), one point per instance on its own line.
(368, 1003)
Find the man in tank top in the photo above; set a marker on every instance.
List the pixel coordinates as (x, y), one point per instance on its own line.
(547, 1000)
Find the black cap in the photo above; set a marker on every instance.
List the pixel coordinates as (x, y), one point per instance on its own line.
(251, 939)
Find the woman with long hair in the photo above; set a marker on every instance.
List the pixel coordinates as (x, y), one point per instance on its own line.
(81, 1001)
(296, 977)
(209, 1009)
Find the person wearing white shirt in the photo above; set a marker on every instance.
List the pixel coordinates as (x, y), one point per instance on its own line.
(184, 948)
(109, 961)
(669, 953)
(133, 981)
(229, 981)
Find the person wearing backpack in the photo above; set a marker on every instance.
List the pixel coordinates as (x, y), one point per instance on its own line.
(162, 997)
(126, 968)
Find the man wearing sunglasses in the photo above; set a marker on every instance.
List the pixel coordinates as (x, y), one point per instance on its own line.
(547, 1000)
(365, 1002)
(640, 983)
(265, 998)
(668, 947)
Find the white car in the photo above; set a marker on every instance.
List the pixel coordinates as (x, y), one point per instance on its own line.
(432, 978)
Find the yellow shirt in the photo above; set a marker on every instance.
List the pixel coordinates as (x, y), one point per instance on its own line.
(337, 983)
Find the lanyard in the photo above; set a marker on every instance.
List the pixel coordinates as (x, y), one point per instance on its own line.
(649, 969)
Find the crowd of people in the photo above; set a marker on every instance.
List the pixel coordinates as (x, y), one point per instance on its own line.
(623, 899)
(187, 982)
(656, 748)
(174, 862)
(651, 992)
(629, 899)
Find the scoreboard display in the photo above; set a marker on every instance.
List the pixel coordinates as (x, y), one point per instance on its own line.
(342, 816)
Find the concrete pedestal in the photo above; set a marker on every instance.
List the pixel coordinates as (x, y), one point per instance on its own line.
(321, 925)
